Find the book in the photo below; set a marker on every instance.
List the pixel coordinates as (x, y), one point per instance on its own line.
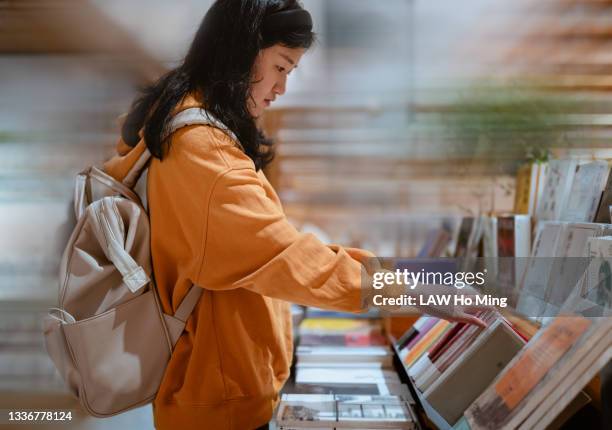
(427, 360)
(514, 236)
(311, 375)
(514, 243)
(373, 411)
(597, 284)
(337, 325)
(542, 173)
(532, 289)
(412, 332)
(344, 412)
(448, 337)
(587, 187)
(450, 352)
(310, 410)
(556, 191)
(570, 263)
(489, 237)
(313, 312)
(428, 340)
(521, 196)
(463, 236)
(427, 325)
(545, 376)
(377, 354)
(340, 364)
(603, 209)
(341, 332)
(473, 371)
(353, 339)
(474, 243)
(526, 189)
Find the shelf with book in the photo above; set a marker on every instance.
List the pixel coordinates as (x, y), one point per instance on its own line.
(343, 377)
(562, 348)
(560, 360)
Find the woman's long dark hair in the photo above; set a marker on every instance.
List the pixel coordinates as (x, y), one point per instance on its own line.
(217, 69)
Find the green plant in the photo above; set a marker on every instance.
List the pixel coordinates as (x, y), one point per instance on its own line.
(507, 124)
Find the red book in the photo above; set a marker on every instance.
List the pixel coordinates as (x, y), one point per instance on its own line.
(443, 343)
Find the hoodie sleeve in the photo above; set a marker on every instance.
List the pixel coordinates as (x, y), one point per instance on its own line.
(250, 244)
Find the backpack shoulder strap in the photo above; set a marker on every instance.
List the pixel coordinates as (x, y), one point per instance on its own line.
(188, 303)
(187, 117)
(140, 166)
(195, 115)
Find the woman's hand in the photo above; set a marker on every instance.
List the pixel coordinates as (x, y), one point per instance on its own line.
(455, 313)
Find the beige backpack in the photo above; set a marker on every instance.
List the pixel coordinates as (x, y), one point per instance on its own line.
(108, 337)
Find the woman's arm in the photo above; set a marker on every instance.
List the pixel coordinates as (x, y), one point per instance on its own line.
(250, 244)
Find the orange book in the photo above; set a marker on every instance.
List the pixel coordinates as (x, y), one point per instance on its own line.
(426, 342)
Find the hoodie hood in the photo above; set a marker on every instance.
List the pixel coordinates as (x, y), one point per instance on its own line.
(120, 164)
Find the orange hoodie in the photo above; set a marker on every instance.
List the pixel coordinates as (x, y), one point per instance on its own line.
(218, 224)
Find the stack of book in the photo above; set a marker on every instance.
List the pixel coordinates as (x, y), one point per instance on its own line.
(541, 386)
(564, 190)
(344, 355)
(560, 203)
(341, 332)
(450, 364)
(558, 261)
(344, 377)
(466, 377)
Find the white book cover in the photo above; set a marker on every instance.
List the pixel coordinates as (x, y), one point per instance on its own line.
(522, 235)
(421, 322)
(490, 246)
(535, 281)
(339, 365)
(597, 284)
(376, 351)
(419, 366)
(346, 376)
(475, 236)
(378, 354)
(559, 178)
(490, 237)
(428, 377)
(587, 186)
(571, 262)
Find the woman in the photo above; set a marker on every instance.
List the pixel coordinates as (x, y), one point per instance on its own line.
(217, 223)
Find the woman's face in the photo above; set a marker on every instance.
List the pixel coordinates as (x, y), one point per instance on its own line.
(270, 71)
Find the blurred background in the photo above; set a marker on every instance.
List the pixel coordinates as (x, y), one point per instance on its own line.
(406, 115)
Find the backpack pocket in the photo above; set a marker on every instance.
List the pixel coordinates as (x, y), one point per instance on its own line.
(119, 365)
(55, 343)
